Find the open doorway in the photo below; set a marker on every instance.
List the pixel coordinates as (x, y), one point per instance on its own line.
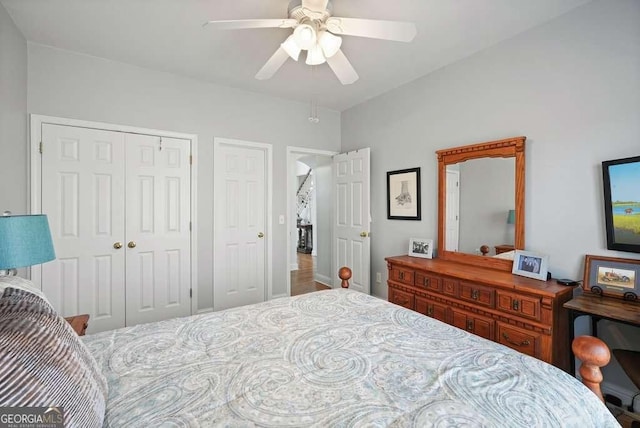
(309, 202)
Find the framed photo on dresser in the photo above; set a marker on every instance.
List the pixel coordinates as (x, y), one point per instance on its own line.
(421, 247)
(530, 264)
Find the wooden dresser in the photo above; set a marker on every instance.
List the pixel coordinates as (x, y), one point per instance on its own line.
(522, 313)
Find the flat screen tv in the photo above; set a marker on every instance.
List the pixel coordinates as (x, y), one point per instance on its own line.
(621, 179)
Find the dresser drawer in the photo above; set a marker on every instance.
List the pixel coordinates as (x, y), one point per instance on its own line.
(523, 306)
(523, 341)
(476, 324)
(427, 281)
(403, 275)
(431, 309)
(450, 287)
(401, 298)
(477, 294)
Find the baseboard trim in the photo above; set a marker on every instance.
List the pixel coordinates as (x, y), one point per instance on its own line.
(322, 279)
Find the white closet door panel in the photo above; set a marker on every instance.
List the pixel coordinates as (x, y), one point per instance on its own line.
(83, 196)
(240, 212)
(158, 215)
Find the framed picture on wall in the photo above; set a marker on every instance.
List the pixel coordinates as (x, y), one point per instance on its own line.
(612, 276)
(403, 194)
(621, 178)
(530, 264)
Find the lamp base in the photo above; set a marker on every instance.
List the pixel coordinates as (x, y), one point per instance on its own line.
(8, 272)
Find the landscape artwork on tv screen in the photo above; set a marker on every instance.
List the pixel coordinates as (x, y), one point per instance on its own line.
(621, 179)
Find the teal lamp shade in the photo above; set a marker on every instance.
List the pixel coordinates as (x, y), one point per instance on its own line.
(25, 240)
(511, 217)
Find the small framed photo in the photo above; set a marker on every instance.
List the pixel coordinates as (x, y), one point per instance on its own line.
(403, 194)
(419, 247)
(612, 276)
(530, 264)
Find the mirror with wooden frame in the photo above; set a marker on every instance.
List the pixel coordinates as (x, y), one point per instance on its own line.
(488, 201)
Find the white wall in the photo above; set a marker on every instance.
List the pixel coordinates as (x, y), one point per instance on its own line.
(571, 86)
(13, 117)
(66, 84)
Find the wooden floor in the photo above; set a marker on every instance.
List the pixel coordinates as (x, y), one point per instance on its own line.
(302, 279)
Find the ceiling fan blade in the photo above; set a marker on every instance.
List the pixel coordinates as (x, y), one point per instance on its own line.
(315, 5)
(241, 24)
(342, 68)
(375, 29)
(273, 64)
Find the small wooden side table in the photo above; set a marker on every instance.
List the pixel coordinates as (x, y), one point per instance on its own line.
(79, 323)
(599, 308)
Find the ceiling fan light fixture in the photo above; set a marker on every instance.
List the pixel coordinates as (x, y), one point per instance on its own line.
(291, 47)
(305, 36)
(329, 43)
(315, 56)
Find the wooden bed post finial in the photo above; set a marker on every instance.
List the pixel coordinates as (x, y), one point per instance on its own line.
(345, 275)
(593, 353)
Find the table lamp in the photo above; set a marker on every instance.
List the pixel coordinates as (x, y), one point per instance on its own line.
(25, 240)
(511, 217)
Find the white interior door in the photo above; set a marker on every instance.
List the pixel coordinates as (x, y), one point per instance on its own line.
(83, 195)
(241, 183)
(452, 221)
(351, 219)
(157, 228)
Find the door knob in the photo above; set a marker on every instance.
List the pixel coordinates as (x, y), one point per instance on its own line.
(117, 245)
(260, 235)
(363, 234)
(131, 244)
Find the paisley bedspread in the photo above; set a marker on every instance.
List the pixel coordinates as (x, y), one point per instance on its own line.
(329, 358)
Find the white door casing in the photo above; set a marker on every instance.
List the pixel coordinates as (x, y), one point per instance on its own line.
(453, 210)
(83, 196)
(78, 178)
(351, 218)
(157, 228)
(242, 219)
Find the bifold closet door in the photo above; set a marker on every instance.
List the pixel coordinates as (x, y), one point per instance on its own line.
(119, 210)
(158, 239)
(83, 195)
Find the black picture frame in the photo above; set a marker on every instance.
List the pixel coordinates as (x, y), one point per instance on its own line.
(403, 194)
(621, 183)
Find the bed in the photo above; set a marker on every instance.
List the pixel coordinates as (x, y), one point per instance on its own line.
(329, 358)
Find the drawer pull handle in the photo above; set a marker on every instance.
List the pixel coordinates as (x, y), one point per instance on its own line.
(425, 282)
(475, 294)
(514, 343)
(401, 275)
(516, 305)
(470, 325)
(430, 310)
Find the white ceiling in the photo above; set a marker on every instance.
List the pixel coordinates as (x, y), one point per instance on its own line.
(167, 35)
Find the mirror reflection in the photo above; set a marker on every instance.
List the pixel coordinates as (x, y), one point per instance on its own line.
(480, 206)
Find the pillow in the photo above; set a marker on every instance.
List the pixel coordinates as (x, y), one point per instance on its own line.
(44, 363)
(21, 284)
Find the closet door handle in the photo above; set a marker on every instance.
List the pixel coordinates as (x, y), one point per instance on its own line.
(117, 245)
(131, 244)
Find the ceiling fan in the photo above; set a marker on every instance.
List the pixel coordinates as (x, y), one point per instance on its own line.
(316, 31)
